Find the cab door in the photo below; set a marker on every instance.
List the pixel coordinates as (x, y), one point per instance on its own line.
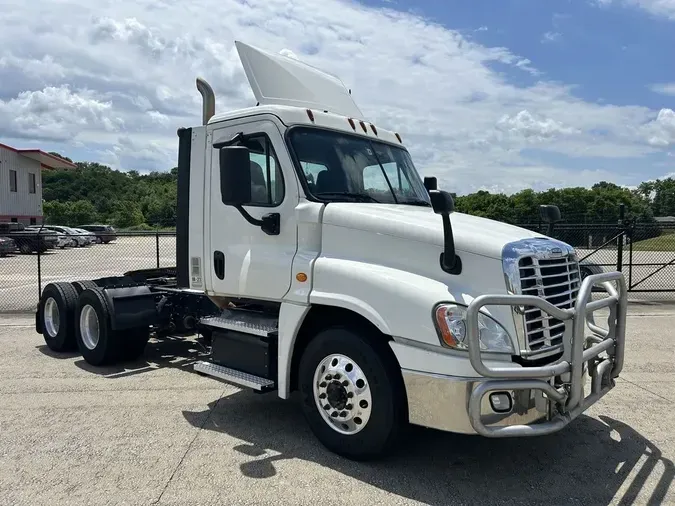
(246, 261)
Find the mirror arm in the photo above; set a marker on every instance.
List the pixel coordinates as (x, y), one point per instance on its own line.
(452, 265)
(270, 224)
(248, 217)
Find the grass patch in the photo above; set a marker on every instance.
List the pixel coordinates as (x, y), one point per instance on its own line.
(665, 242)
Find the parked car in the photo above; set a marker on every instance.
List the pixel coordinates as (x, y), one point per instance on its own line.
(51, 238)
(75, 238)
(64, 239)
(87, 237)
(103, 233)
(7, 246)
(27, 240)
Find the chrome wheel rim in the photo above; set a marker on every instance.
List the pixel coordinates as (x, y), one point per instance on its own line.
(52, 317)
(89, 327)
(342, 394)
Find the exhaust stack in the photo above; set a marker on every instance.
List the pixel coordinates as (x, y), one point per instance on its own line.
(208, 100)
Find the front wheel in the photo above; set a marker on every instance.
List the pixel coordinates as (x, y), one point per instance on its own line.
(352, 393)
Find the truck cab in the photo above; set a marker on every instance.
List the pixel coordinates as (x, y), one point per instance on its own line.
(325, 265)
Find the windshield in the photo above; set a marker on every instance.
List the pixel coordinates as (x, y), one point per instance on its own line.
(339, 167)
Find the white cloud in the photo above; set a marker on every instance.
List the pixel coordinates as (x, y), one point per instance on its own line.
(551, 37)
(661, 131)
(663, 88)
(665, 8)
(56, 113)
(120, 78)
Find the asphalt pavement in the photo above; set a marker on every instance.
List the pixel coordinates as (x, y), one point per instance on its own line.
(154, 432)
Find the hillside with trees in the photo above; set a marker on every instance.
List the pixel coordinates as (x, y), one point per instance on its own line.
(130, 200)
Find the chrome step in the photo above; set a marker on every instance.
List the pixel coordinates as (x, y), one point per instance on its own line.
(241, 321)
(234, 376)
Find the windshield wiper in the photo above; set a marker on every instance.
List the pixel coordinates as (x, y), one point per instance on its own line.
(415, 202)
(354, 197)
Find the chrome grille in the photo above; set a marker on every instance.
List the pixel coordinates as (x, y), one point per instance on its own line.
(555, 279)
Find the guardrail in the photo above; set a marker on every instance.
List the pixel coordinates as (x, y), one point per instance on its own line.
(578, 350)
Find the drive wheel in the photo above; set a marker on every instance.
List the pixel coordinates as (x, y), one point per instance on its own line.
(352, 393)
(57, 316)
(98, 343)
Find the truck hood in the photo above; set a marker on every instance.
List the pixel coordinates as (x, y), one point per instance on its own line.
(472, 234)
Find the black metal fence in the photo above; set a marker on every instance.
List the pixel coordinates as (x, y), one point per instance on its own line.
(644, 252)
(24, 274)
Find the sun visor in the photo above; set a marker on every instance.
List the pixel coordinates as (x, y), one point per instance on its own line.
(280, 80)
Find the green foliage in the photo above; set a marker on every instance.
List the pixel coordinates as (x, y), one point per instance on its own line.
(94, 192)
(123, 199)
(599, 204)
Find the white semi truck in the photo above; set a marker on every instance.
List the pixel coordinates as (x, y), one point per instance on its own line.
(313, 258)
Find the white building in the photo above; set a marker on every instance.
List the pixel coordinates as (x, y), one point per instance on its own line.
(21, 182)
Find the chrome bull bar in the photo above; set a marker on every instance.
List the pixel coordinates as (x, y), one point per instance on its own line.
(565, 394)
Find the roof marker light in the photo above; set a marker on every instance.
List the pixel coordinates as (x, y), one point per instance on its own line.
(351, 122)
(310, 115)
(372, 127)
(363, 125)
(398, 137)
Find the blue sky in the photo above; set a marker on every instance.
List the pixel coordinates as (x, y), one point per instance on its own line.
(611, 53)
(488, 94)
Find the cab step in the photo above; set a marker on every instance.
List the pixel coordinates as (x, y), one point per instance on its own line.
(234, 376)
(246, 322)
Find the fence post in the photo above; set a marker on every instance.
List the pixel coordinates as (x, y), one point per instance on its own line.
(157, 247)
(39, 266)
(619, 245)
(630, 228)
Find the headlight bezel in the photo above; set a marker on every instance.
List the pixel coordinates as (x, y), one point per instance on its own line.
(443, 332)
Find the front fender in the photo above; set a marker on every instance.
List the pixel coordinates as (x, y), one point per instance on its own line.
(399, 303)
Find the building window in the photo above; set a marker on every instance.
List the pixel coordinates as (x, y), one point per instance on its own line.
(33, 221)
(12, 180)
(31, 182)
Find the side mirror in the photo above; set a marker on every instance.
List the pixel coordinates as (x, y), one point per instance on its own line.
(443, 204)
(441, 201)
(235, 175)
(430, 183)
(549, 214)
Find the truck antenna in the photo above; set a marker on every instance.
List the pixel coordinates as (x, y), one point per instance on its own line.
(208, 100)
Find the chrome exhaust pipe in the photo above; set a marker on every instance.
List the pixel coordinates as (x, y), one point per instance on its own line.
(208, 100)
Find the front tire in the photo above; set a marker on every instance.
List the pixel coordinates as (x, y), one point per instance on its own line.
(352, 392)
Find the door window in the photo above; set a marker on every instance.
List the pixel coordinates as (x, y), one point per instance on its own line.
(267, 181)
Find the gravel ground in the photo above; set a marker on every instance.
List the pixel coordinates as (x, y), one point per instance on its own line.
(153, 432)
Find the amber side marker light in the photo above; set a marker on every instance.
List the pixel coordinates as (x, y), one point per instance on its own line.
(301, 276)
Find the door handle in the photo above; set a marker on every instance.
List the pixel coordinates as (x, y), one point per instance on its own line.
(219, 264)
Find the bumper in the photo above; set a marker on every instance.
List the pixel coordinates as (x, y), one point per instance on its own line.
(543, 399)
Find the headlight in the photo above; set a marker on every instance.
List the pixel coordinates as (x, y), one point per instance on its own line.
(451, 325)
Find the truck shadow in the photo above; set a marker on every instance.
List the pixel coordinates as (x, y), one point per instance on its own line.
(591, 462)
(163, 352)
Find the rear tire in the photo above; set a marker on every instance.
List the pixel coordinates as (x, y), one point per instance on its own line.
(57, 308)
(82, 285)
(366, 401)
(97, 341)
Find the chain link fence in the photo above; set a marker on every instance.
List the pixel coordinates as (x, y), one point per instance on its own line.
(24, 273)
(645, 253)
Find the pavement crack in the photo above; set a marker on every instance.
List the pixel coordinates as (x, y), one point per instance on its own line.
(645, 389)
(187, 450)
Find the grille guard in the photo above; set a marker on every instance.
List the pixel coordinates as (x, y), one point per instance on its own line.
(578, 350)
